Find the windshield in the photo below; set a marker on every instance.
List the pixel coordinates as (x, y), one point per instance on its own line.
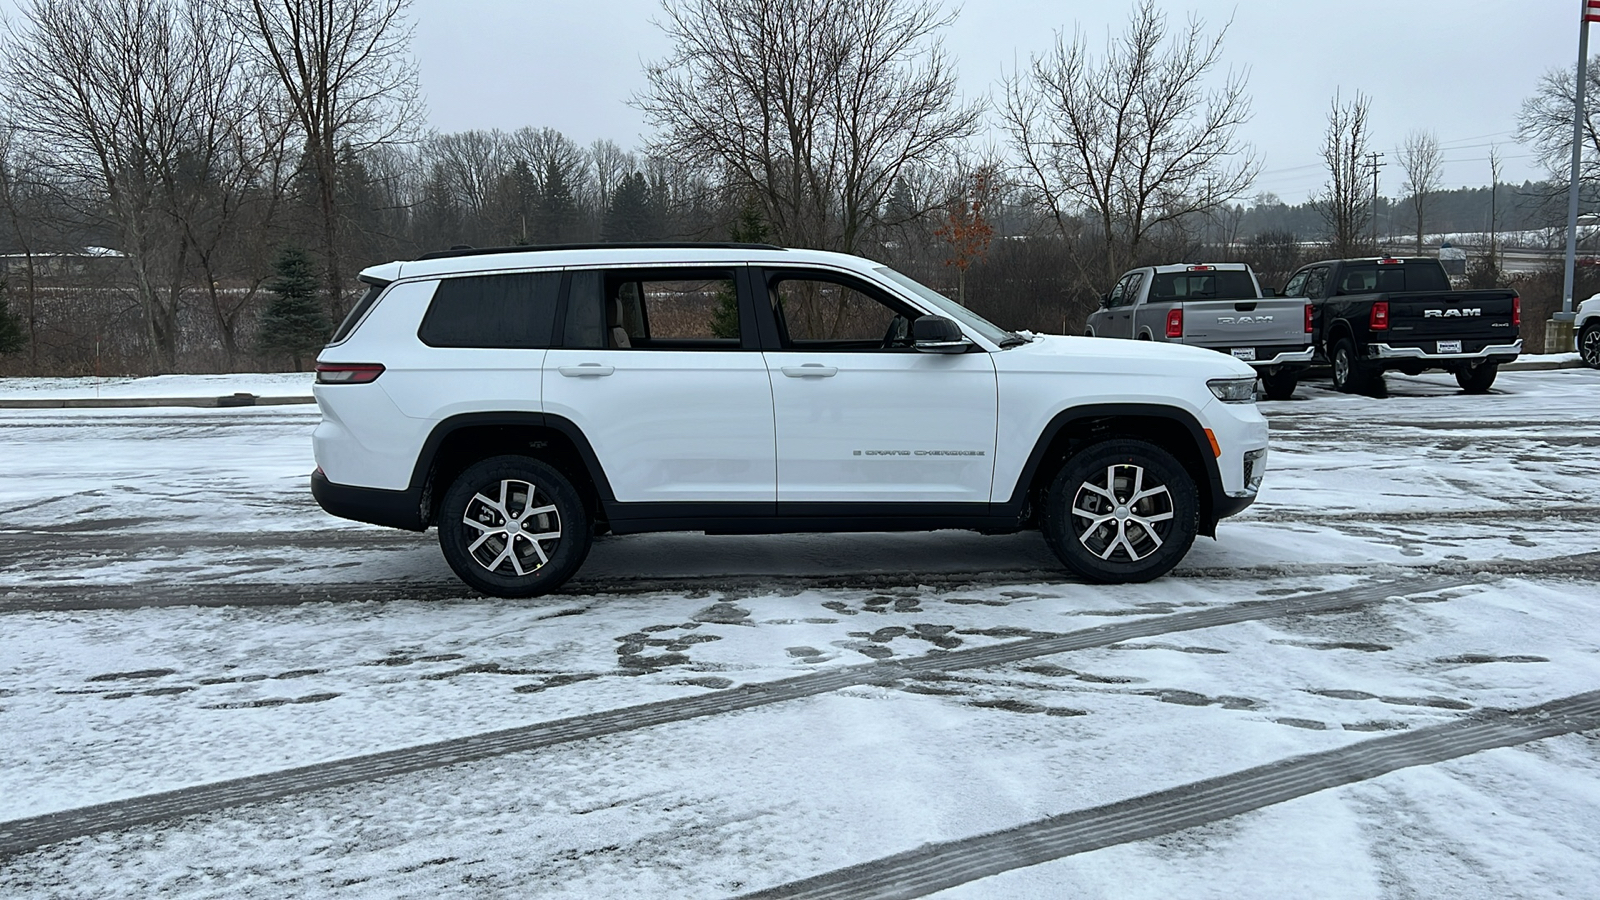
(952, 309)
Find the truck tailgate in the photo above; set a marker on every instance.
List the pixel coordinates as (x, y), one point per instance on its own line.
(1474, 318)
(1225, 324)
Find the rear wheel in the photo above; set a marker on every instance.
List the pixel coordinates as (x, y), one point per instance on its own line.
(511, 526)
(1477, 379)
(1350, 374)
(1121, 511)
(1280, 385)
(1589, 345)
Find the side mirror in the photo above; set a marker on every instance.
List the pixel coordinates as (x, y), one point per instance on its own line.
(936, 334)
(1269, 292)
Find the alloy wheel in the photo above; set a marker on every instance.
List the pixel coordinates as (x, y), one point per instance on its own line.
(516, 532)
(1121, 513)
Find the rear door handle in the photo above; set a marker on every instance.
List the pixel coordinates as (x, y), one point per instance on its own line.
(811, 370)
(586, 370)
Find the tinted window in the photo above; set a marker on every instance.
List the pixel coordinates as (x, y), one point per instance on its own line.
(1201, 286)
(653, 309)
(820, 312)
(504, 311)
(1316, 280)
(1393, 278)
(356, 312)
(1296, 286)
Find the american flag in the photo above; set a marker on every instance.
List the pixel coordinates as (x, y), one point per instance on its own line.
(1591, 11)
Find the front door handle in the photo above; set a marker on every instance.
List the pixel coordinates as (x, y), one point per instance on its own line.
(811, 370)
(586, 370)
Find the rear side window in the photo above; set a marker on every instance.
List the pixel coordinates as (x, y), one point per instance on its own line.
(1202, 286)
(515, 311)
(653, 309)
(356, 312)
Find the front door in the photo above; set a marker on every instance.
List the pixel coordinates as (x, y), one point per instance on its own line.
(665, 378)
(861, 415)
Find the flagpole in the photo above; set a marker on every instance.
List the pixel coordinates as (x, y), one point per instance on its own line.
(1577, 157)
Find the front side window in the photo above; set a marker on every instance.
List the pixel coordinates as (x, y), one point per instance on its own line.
(816, 311)
(513, 311)
(1316, 280)
(653, 309)
(1296, 286)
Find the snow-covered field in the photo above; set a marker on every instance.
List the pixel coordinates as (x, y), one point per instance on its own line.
(177, 612)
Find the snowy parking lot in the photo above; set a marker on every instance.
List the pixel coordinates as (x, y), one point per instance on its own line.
(1380, 681)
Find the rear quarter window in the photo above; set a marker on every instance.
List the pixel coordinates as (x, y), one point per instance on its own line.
(356, 312)
(513, 311)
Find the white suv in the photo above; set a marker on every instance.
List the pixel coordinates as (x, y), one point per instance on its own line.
(525, 400)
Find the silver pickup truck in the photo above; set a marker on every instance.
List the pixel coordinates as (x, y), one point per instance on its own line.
(1214, 305)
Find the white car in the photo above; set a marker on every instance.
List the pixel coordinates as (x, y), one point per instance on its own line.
(1586, 330)
(526, 400)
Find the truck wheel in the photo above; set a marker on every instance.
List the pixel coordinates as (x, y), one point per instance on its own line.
(1121, 511)
(511, 526)
(1477, 379)
(1280, 385)
(1589, 345)
(1350, 375)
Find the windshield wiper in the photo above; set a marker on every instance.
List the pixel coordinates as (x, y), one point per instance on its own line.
(1015, 340)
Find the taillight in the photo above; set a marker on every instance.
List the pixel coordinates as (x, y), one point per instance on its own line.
(1175, 323)
(348, 373)
(1516, 311)
(1380, 316)
(1308, 318)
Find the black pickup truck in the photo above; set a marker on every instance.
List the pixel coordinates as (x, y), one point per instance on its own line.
(1374, 315)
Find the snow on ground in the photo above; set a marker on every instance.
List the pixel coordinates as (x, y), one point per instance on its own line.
(103, 704)
(263, 384)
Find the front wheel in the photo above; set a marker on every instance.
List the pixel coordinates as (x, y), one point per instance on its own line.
(512, 526)
(1589, 345)
(1477, 379)
(1280, 385)
(1121, 511)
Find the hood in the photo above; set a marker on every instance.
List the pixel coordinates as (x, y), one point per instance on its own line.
(1068, 353)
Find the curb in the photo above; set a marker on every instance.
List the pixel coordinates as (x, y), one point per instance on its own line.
(139, 402)
(1541, 365)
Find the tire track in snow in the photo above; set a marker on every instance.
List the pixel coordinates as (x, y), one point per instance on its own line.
(936, 867)
(20, 835)
(77, 597)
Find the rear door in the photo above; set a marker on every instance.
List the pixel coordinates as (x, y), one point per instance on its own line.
(662, 371)
(860, 415)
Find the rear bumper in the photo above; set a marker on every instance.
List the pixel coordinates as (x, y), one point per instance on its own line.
(1288, 357)
(394, 509)
(1497, 352)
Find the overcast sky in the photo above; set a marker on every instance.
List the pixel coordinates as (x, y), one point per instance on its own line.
(1459, 67)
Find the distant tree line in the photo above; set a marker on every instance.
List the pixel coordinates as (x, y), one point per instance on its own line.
(192, 185)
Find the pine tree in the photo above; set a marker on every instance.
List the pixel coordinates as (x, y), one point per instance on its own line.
(293, 322)
(12, 337)
(557, 206)
(629, 216)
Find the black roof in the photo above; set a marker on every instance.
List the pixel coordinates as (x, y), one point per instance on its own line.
(641, 245)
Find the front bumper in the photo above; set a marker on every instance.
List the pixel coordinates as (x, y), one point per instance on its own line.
(1386, 351)
(395, 509)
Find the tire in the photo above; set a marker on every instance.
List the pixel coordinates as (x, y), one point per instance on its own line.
(1350, 374)
(1280, 385)
(1589, 345)
(1479, 378)
(1081, 521)
(488, 547)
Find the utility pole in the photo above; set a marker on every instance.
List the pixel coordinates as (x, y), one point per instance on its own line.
(1374, 165)
(1589, 11)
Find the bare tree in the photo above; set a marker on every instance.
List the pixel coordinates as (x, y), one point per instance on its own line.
(1344, 201)
(609, 164)
(126, 94)
(24, 195)
(1545, 124)
(1423, 163)
(812, 106)
(1133, 141)
(348, 80)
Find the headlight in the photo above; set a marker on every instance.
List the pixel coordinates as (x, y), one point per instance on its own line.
(1233, 390)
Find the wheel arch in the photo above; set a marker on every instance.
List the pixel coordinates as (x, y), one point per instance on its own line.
(459, 441)
(1172, 429)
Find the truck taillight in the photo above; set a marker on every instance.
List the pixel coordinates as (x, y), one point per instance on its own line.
(1175, 323)
(1380, 316)
(1308, 318)
(348, 373)
(1516, 311)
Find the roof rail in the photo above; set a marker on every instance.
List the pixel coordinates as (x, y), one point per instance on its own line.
(641, 245)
